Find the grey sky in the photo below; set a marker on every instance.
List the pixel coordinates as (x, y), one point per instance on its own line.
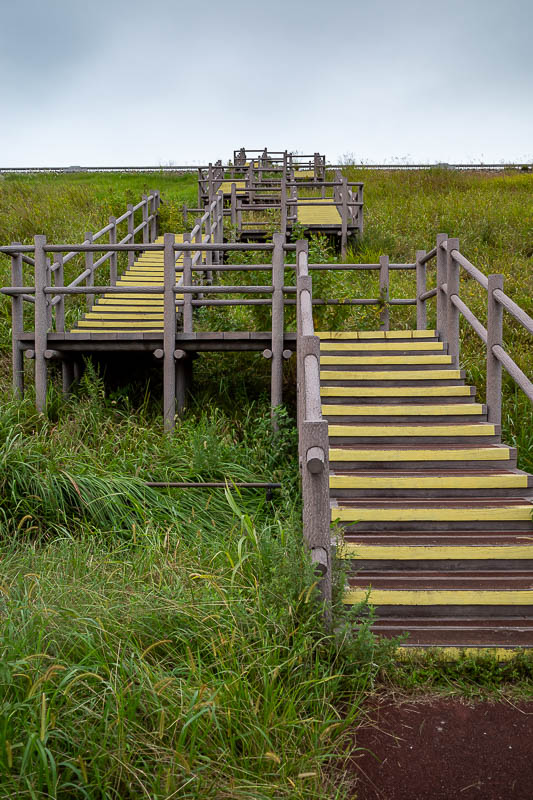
(130, 82)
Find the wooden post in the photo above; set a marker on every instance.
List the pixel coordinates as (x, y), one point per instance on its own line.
(131, 235)
(157, 206)
(17, 325)
(421, 308)
(146, 237)
(187, 280)
(59, 281)
(209, 253)
(41, 323)
(360, 209)
(278, 272)
(210, 187)
(494, 337)
(113, 258)
(152, 229)
(283, 197)
(384, 292)
(441, 279)
(220, 226)
(233, 205)
(452, 313)
(169, 335)
(89, 261)
(344, 217)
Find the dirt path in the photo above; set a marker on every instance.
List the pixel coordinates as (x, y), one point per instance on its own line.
(445, 749)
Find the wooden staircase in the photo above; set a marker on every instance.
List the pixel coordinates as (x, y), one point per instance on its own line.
(436, 517)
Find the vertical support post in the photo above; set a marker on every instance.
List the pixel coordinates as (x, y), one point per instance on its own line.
(152, 229)
(303, 283)
(146, 236)
(421, 307)
(187, 281)
(113, 258)
(220, 226)
(182, 369)
(360, 209)
(209, 236)
(384, 292)
(233, 204)
(60, 306)
(441, 279)
(157, 206)
(283, 197)
(210, 187)
(344, 217)
(278, 273)
(131, 235)
(41, 323)
(494, 337)
(89, 260)
(169, 335)
(17, 325)
(452, 313)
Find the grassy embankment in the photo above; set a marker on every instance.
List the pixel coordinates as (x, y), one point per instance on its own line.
(157, 646)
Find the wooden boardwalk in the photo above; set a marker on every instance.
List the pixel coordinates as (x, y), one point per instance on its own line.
(436, 517)
(433, 516)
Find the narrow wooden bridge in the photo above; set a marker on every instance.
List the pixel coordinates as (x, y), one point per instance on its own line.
(430, 512)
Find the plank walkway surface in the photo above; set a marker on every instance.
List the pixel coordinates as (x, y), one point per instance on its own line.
(131, 312)
(320, 215)
(435, 516)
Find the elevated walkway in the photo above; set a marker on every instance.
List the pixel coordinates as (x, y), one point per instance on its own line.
(436, 518)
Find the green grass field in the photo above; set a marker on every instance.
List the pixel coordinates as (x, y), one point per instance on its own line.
(168, 644)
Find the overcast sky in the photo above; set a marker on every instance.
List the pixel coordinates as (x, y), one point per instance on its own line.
(120, 82)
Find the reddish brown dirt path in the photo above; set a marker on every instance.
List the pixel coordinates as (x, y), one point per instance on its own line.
(445, 749)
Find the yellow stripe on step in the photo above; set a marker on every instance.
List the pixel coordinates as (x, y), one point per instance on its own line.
(392, 375)
(441, 597)
(455, 653)
(395, 391)
(402, 360)
(93, 315)
(462, 454)
(502, 481)
(457, 409)
(392, 346)
(375, 334)
(416, 553)
(88, 323)
(435, 514)
(476, 429)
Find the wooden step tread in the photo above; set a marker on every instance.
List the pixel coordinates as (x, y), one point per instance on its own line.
(455, 409)
(411, 334)
(405, 429)
(436, 552)
(424, 481)
(397, 391)
(392, 375)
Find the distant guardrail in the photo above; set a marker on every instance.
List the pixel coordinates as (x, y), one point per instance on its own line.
(524, 166)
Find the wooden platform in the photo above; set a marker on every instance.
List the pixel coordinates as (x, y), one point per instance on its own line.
(321, 216)
(435, 516)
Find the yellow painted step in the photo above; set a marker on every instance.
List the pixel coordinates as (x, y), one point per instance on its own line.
(501, 481)
(395, 391)
(92, 315)
(83, 323)
(476, 429)
(392, 346)
(433, 514)
(441, 597)
(456, 409)
(375, 334)
(107, 300)
(401, 360)
(460, 454)
(455, 653)
(430, 553)
(392, 375)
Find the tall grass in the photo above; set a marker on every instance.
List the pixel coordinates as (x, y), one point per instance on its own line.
(163, 644)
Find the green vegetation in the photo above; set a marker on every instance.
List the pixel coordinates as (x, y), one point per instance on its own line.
(167, 644)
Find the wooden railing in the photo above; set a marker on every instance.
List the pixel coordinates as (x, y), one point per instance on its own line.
(313, 442)
(450, 307)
